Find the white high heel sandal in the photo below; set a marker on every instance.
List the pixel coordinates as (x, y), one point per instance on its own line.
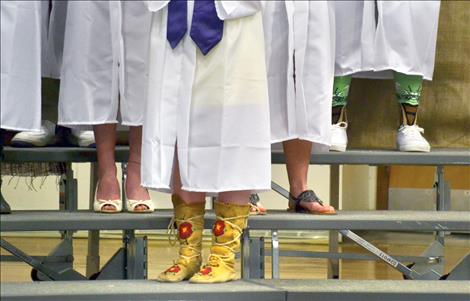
(99, 205)
(132, 204)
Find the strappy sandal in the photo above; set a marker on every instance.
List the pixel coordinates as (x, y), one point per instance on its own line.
(100, 205)
(307, 196)
(255, 208)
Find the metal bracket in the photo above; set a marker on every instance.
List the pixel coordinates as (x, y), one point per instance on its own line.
(245, 254)
(49, 271)
(434, 254)
(136, 256)
(274, 254)
(461, 271)
(129, 262)
(257, 268)
(406, 271)
(114, 269)
(65, 250)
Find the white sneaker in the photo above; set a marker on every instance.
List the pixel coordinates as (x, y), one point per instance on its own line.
(82, 138)
(410, 139)
(339, 137)
(45, 136)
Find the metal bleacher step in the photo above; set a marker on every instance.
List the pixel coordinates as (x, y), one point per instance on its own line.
(352, 220)
(259, 290)
(367, 157)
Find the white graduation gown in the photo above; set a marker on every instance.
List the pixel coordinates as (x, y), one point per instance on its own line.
(300, 36)
(402, 38)
(105, 63)
(53, 31)
(20, 103)
(215, 107)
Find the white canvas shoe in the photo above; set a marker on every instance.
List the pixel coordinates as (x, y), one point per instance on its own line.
(82, 138)
(410, 139)
(44, 137)
(339, 137)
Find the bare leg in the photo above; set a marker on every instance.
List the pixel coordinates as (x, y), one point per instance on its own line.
(108, 186)
(189, 197)
(241, 197)
(297, 154)
(134, 190)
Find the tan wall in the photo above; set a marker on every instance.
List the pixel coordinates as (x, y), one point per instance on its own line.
(445, 106)
(424, 177)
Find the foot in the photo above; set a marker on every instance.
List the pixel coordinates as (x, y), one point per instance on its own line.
(256, 207)
(410, 139)
(82, 138)
(214, 272)
(108, 189)
(308, 202)
(179, 272)
(134, 189)
(44, 137)
(339, 137)
(230, 221)
(187, 227)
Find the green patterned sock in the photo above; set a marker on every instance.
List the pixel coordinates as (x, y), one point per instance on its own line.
(341, 90)
(408, 88)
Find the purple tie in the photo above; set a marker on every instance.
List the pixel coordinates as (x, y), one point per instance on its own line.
(177, 23)
(206, 28)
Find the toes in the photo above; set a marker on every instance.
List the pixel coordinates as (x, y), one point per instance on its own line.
(109, 207)
(141, 207)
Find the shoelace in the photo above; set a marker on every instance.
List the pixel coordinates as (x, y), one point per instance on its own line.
(215, 259)
(341, 125)
(173, 237)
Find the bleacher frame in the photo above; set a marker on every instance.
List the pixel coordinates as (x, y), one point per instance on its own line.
(130, 261)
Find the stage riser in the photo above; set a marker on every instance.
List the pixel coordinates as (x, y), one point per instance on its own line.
(262, 290)
(366, 157)
(352, 220)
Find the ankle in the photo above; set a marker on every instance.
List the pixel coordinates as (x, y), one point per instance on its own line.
(108, 178)
(107, 173)
(296, 190)
(338, 114)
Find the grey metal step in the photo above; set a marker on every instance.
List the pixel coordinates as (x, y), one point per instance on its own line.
(367, 157)
(368, 290)
(139, 290)
(353, 220)
(263, 290)
(386, 157)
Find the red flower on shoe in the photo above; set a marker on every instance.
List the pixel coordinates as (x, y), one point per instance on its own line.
(185, 230)
(174, 269)
(219, 228)
(205, 271)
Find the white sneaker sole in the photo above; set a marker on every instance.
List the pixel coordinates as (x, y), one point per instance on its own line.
(30, 143)
(414, 148)
(86, 143)
(338, 148)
